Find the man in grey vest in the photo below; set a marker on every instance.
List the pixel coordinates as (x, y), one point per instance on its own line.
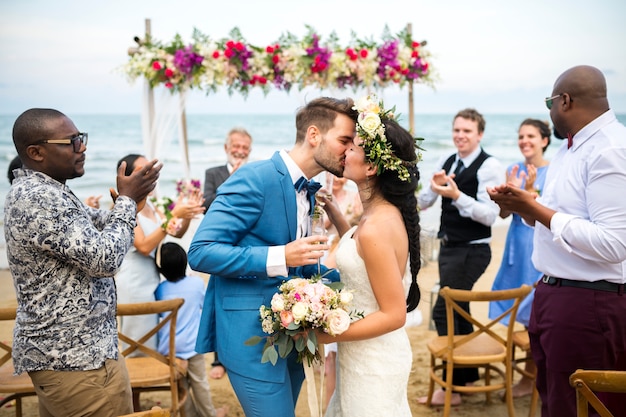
(467, 214)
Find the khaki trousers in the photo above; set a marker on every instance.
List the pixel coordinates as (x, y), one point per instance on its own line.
(103, 392)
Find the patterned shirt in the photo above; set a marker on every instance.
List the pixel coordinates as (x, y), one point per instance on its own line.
(62, 256)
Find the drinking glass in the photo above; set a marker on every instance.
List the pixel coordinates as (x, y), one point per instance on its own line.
(318, 229)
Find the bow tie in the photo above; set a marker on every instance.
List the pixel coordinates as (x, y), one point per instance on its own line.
(311, 188)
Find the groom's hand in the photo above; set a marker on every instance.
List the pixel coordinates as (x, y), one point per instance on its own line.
(305, 251)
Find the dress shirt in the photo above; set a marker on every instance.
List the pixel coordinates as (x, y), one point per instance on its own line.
(276, 265)
(481, 209)
(587, 236)
(63, 255)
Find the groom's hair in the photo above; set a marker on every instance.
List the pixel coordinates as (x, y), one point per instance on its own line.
(322, 113)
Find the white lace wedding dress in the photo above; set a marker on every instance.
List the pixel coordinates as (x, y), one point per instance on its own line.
(372, 375)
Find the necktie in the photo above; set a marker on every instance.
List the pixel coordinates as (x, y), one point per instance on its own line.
(311, 188)
(570, 140)
(459, 168)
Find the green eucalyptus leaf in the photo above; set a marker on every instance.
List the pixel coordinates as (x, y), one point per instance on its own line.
(270, 355)
(301, 344)
(254, 340)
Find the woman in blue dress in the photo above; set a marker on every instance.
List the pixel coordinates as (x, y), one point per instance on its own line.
(517, 268)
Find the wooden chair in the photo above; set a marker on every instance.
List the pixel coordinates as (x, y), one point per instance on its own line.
(521, 340)
(154, 371)
(587, 381)
(154, 412)
(483, 348)
(16, 387)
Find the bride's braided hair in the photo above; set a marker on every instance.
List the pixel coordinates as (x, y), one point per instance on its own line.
(401, 193)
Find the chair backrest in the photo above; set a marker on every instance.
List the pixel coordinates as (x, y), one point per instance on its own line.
(6, 313)
(588, 381)
(12, 387)
(152, 370)
(484, 328)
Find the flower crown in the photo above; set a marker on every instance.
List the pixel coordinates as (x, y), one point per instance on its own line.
(378, 150)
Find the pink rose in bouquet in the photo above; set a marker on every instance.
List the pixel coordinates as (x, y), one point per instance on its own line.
(296, 310)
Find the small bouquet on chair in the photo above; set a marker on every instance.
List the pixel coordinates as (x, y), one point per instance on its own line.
(297, 309)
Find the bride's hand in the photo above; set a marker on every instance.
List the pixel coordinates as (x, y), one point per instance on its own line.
(323, 337)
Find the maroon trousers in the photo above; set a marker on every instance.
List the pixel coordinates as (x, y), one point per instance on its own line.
(576, 328)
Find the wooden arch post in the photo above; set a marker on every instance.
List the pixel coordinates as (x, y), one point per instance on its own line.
(409, 28)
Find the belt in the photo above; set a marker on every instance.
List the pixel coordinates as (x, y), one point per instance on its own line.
(590, 285)
(462, 244)
(448, 244)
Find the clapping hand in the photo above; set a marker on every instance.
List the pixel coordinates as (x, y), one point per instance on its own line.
(444, 185)
(517, 178)
(189, 207)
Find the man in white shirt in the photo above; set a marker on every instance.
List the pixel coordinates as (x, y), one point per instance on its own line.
(467, 214)
(578, 319)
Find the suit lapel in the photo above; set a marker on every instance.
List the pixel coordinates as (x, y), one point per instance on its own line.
(224, 173)
(288, 195)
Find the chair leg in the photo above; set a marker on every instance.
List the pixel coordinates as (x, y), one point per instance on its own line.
(487, 383)
(508, 384)
(136, 401)
(431, 383)
(448, 399)
(533, 402)
(18, 407)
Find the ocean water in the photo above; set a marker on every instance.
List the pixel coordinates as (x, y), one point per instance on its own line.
(113, 136)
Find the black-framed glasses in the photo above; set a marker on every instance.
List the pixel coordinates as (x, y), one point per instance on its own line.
(549, 100)
(77, 141)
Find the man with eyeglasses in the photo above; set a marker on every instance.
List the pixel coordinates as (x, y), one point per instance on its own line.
(578, 320)
(62, 256)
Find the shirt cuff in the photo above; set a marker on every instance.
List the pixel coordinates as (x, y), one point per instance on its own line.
(276, 265)
(558, 223)
(463, 203)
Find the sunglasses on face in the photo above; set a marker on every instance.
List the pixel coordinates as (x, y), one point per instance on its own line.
(549, 101)
(77, 141)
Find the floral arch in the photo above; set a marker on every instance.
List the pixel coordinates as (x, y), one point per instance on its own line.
(207, 64)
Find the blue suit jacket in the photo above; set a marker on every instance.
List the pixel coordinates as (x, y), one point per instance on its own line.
(254, 209)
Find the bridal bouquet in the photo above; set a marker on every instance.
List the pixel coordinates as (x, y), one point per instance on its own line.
(165, 204)
(297, 309)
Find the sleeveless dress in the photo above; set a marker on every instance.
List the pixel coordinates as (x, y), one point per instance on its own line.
(372, 375)
(517, 266)
(136, 281)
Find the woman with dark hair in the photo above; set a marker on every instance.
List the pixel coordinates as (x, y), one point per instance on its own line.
(138, 278)
(378, 261)
(14, 164)
(517, 267)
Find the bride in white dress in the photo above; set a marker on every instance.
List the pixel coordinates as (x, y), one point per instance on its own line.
(378, 260)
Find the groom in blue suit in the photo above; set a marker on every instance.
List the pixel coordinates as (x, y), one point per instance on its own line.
(254, 237)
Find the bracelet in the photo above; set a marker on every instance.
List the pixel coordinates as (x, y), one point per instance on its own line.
(165, 224)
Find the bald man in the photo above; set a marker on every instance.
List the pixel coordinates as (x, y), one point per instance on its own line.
(578, 319)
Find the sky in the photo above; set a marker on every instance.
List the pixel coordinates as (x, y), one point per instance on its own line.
(496, 56)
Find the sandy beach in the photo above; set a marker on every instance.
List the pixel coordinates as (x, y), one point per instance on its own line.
(472, 406)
